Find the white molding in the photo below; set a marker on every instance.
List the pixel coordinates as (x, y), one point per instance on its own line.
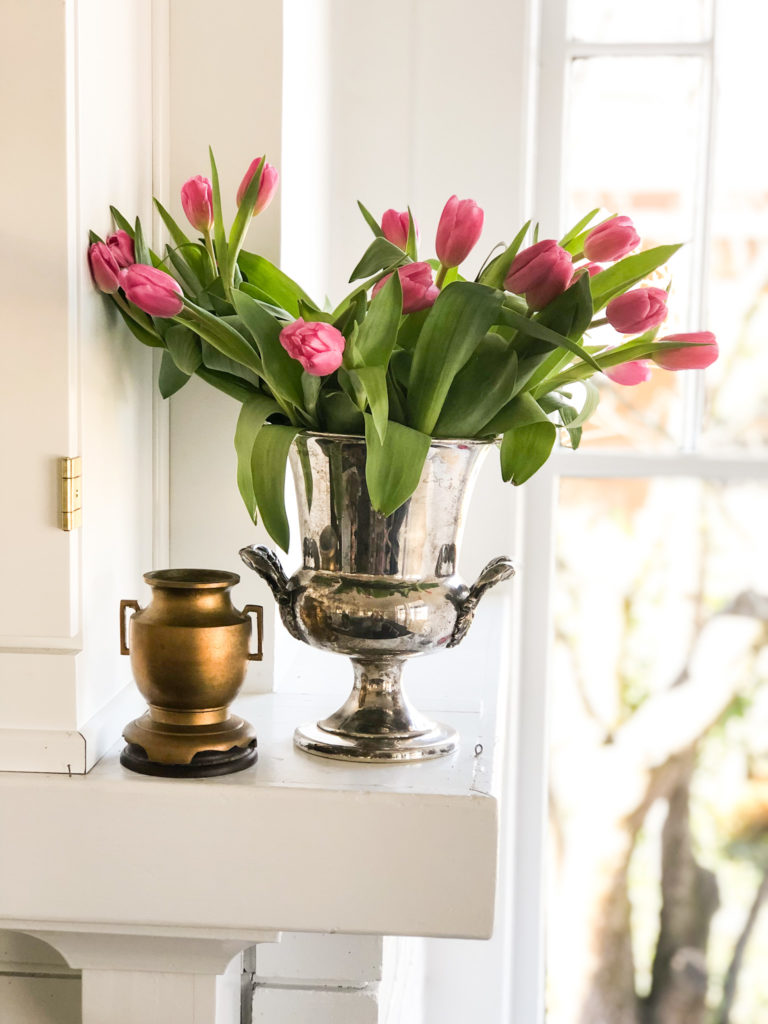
(301, 839)
(734, 466)
(69, 751)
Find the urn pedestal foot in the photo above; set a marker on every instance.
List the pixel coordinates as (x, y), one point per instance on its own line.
(175, 749)
(377, 723)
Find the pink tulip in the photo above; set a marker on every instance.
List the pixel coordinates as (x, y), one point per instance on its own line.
(267, 185)
(638, 310)
(697, 357)
(104, 268)
(540, 273)
(636, 371)
(419, 289)
(461, 223)
(152, 290)
(395, 228)
(197, 202)
(611, 240)
(317, 346)
(593, 268)
(121, 246)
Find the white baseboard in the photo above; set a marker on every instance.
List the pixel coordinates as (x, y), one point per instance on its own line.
(73, 752)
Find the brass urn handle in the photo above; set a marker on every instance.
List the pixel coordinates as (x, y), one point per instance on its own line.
(123, 630)
(258, 611)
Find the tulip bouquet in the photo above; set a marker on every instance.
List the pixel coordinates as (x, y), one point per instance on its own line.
(415, 350)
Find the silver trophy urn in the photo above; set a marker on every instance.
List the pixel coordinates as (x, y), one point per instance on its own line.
(380, 589)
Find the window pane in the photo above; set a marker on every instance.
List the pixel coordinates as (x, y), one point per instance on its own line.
(653, 21)
(659, 748)
(738, 292)
(633, 147)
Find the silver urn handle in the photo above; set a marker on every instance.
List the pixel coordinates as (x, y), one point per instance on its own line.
(266, 564)
(497, 570)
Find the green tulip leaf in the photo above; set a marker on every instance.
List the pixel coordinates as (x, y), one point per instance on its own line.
(252, 418)
(227, 383)
(373, 381)
(371, 221)
(527, 443)
(245, 211)
(120, 222)
(378, 332)
(268, 461)
(280, 289)
(457, 323)
(339, 414)
(170, 378)
(410, 245)
(140, 250)
(381, 255)
(621, 276)
(145, 335)
(573, 240)
(496, 272)
(393, 467)
(219, 233)
(185, 347)
(223, 337)
(479, 390)
(282, 374)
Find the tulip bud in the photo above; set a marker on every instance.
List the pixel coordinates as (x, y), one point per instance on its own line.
(419, 289)
(700, 355)
(267, 185)
(461, 223)
(611, 240)
(197, 203)
(152, 290)
(540, 273)
(395, 228)
(317, 346)
(637, 311)
(636, 371)
(104, 268)
(121, 246)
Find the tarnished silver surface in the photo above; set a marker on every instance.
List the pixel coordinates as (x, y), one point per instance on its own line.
(377, 588)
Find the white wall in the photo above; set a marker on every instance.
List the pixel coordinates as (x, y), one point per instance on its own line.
(225, 91)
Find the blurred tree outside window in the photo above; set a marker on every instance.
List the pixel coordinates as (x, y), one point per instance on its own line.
(658, 851)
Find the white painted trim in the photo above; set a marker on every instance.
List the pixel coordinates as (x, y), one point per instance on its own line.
(530, 789)
(161, 432)
(730, 467)
(698, 48)
(69, 751)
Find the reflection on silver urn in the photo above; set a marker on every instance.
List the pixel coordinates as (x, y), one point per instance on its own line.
(379, 589)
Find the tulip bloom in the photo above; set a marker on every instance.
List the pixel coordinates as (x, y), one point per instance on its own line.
(540, 273)
(121, 246)
(419, 289)
(637, 310)
(104, 268)
(152, 290)
(317, 346)
(197, 202)
(395, 228)
(267, 185)
(697, 357)
(461, 223)
(636, 371)
(611, 240)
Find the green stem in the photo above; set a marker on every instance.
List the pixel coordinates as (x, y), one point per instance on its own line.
(441, 276)
(135, 314)
(210, 251)
(598, 323)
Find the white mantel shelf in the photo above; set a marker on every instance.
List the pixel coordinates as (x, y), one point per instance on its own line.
(296, 843)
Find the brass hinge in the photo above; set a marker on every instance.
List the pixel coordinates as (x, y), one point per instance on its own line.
(70, 493)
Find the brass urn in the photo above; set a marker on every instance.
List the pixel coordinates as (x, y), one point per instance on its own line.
(189, 650)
